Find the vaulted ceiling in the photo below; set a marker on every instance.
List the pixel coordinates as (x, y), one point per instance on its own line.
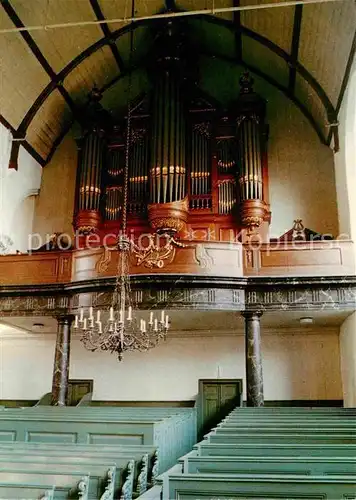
(306, 51)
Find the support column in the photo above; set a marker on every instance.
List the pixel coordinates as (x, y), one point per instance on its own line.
(61, 361)
(254, 375)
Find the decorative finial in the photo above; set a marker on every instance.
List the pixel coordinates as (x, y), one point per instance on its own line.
(246, 83)
(95, 94)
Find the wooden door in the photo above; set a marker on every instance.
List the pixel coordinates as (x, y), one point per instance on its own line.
(216, 399)
(77, 389)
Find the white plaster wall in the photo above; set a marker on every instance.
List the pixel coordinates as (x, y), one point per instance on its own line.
(345, 160)
(296, 366)
(301, 171)
(348, 360)
(55, 203)
(16, 186)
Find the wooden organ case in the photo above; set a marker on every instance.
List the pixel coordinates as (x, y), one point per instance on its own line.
(196, 171)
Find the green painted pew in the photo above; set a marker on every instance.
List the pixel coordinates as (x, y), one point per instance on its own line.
(105, 481)
(276, 450)
(26, 492)
(115, 473)
(349, 429)
(120, 454)
(193, 464)
(73, 485)
(173, 435)
(227, 487)
(300, 438)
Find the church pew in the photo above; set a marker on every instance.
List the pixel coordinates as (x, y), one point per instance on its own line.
(205, 448)
(250, 425)
(174, 436)
(104, 478)
(193, 464)
(300, 438)
(227, 486)
(76, 485)
(24, 491)
(146, 458)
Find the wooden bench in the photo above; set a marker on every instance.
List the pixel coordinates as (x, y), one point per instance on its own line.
(75, 485)
(272, 450)
(27, 491)
(300, 438)
(174, 435)
(194, 464)
(106, 480)
(146, 458)
(227, 486)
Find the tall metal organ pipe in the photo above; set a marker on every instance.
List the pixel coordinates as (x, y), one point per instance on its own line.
(168, 166)
(89, 184)
(250, 132)
(168, 139)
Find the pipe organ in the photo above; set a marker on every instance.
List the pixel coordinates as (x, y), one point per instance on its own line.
(194, 168)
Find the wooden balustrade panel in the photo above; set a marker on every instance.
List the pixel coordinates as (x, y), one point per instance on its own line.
(197, 258)
(315, 258)
(204, 258)
(37, 268)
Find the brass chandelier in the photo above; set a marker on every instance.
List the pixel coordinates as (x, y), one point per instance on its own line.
(119, 329)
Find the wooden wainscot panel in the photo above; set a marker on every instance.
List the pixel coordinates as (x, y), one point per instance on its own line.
(315, 258)
(198, 258)
(37, 268)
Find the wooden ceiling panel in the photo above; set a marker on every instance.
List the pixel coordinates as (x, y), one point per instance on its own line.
(217, 39)
(52, 117)
(306, 94)
(113, 9)
(142, 43)
(207, 4)
(265, 60)
(115, 99)
(326, 38)
(21, 76)
(61, 45)
(97, 70)
(276, 24)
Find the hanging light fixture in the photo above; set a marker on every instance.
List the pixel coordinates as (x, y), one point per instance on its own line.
(119, 329)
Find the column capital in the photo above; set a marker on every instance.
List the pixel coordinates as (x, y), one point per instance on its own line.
(65, 319)
(252, 314)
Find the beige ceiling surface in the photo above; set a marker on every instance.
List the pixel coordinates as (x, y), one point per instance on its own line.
(303, 51)
(193, 322)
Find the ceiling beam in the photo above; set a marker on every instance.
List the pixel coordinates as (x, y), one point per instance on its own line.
(347, 74)
(330, 110)
(10, 11)
(107, 33)
(343, 88)
(74, 63)
(22, 142)
(275, 84)
(55, 80)
(238, 37)
(297, 25)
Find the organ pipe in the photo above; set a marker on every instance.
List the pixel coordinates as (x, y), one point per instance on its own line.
(89, 184)
(113, 205)
(250, 137)
(200, 160)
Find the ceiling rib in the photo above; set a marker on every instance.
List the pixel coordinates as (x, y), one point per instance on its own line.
(65, 72)
(297, 24)
(343, 88)
(284, 55)
(22, 142)
(111, 37)
(238, 37)
(107, 33)
(10, 11)
(274, 83)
